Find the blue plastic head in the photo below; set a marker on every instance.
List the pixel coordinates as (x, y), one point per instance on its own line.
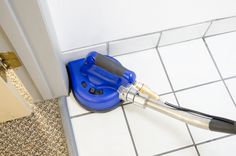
(96, 79)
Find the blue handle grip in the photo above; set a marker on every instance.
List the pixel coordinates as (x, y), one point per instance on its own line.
(109, 64)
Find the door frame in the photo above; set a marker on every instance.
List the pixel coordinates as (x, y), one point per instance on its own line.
(28, 26)
(22, 74)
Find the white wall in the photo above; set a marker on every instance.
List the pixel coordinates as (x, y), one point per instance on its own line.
(82, 23)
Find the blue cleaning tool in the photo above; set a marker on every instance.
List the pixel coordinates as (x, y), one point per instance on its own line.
(96, 79)
(100, 83)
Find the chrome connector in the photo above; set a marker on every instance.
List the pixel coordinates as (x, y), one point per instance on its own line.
(131, 94)
(142, 88)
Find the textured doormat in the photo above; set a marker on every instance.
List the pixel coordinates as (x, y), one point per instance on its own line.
(41, 133)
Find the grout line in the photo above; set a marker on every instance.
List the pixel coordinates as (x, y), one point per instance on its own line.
(129, 129)
(232, 31)
(215, 139)
(136, 36)
(231, 77)
(188, 25)
(126, 38)
(159, 39)
(127, 103)
(133, 52)
(83, 47)
(179, 42)
(203, 84)
(190, 133)
(200, 143)
(225, 18)
(207, 29)
(165, 70)
(218, 70)
(108, 48)
(165, 93)
(174, 150)
(172, 88)
(84, 114)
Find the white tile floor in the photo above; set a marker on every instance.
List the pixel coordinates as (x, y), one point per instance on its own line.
(231, 83)
(148, 69)
(188, 64)
(154, 132)
(192, 76)
(221, 147)
(212, 99)
(73, 107)
(224, 53)
(103, 134)
(187, 151)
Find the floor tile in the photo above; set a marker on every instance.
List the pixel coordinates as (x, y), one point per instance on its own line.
(184, 152)
(231, 84)
(103, 134)
(148, 69)
(154, 132)
(222, 147)
(212, 99)
(223, 49)
(188, 64)
(133, 44)
(222, 26)
(183, 33)
(74, 107)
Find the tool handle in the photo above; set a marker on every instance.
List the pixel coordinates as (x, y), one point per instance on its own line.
(109, 64)
(107, 68)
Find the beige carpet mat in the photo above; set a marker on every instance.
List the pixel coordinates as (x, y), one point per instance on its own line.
(39, 134)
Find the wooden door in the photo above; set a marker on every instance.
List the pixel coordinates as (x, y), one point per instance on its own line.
(12, 104)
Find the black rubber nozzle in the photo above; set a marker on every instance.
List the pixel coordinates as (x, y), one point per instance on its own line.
(221, 126)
